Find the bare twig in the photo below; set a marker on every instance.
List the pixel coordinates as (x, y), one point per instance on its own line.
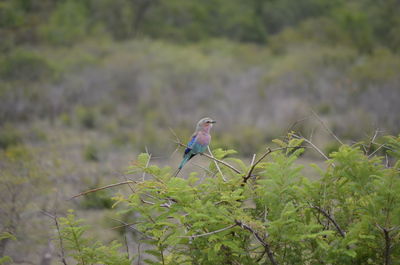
(326, 127)
(291, 127)
(330, 218)
(269, 150)
(260, 239)
(312, 145)
(54, 217)
(376, 150)
(248, 175)
(130, 226)
(210, 233)
(216, 164)
(102, 188)
(147, 164)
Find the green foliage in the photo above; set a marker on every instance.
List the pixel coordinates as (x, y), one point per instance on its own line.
(347, 216)
(25, 65)
(9, 136)
(91, 153)
(6, 236)
(86, 117)
(67, 23)
(82, 248)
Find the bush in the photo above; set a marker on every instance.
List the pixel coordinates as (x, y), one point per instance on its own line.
(26, 66)
(268, 212)
(86, 117)
(9, 136)
(91, 153)
(67, 24)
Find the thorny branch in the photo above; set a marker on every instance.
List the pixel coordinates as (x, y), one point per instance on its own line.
(260, 239)
(330, 218)
(326, 127)
(102, 188)
(210, 233)
(388, 244)
(217, 166)
(269, 150)
(54, 217)
(311, 144)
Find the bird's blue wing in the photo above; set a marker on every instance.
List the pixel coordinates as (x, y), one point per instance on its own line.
(190, 144)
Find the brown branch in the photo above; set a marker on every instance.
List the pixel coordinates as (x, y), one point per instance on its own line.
(248, 175)
(210, 233)
(54, 217)
(388, 244)
(330, 218)
(269, 150)
(312, 145)
(260, 239)
(102, 188)
(216, 165)
(130, 226)
(326, 127)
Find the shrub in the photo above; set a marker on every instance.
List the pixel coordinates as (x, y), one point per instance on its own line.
(86, 117)
(26, 66)
(9, 136)
(268, 212)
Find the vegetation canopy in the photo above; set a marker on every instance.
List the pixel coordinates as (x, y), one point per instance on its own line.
(266, 212)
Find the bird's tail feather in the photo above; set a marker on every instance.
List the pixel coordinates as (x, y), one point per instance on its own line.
(177, 172)
(184, 161)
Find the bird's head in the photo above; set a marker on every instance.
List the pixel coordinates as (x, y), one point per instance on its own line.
(205, 124)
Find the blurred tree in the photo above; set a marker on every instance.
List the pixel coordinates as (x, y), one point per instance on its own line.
(21, 179)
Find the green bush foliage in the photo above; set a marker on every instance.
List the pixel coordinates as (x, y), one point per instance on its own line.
(25, 66)
(9, 136)
(268, 212)
(82, 248)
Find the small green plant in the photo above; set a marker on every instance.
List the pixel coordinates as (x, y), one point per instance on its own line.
(91, 153)
(86, 117)
(86, 250)
(9, 136)
(6, 236)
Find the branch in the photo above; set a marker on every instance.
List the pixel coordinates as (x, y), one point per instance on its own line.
(248, 175)
(130, 226)
(216, 165)
(312, 145)
(102, 188)
(54, 217)
(326, 127)
(388, 243)
(260, 239)
(147, 164)
(210, 233)
(330, 218)
(269, 150)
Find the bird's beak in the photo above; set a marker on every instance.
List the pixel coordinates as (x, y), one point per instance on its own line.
(213, 121)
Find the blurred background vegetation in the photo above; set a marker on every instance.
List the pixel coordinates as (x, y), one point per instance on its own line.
(87, 84)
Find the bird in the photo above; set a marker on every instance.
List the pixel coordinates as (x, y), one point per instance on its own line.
(199, 141)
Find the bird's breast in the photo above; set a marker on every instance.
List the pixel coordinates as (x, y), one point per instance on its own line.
(203, 139)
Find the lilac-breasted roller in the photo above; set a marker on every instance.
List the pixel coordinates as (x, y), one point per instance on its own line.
(199, 142)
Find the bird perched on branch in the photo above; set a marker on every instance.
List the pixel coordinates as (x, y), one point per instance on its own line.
(199, 142)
